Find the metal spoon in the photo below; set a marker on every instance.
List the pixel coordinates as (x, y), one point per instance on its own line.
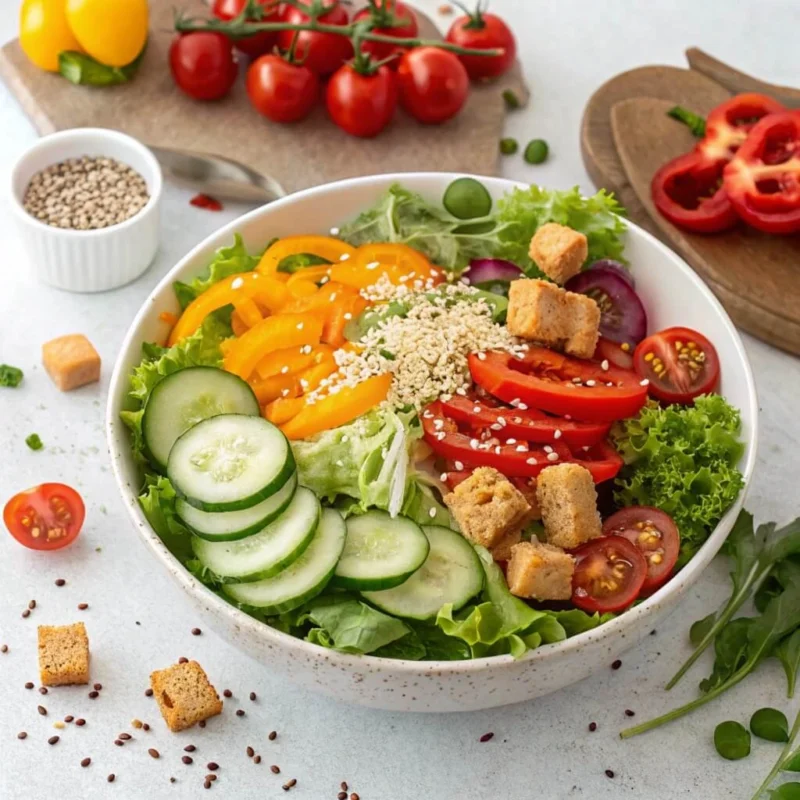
(218, 176)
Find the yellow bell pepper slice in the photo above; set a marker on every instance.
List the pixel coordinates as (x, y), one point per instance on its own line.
(247, 311)
(337, 315)
(311, 378)
(273, 333)
(338, 409)
(268, 389)
(292, 359)
(323, 246)
(398, 262)
(280, 411)
(244, 285)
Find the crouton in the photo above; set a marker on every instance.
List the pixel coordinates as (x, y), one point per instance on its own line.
(559, 251)
(63, 655)
(71, 361)
(540, 572)
(502, 550)
(184, 695)
(568, 500)
(528, 489)
(545, 313)
(487, 506)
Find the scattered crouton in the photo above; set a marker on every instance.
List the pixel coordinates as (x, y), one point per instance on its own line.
(559, 251)
(71, 361)
(543, 312)
(540, 572)
(487, 506)
(502, 550)
(568, 500)
(63, 654)
(184, 695)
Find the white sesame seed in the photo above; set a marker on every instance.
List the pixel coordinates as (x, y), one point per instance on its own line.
(502, 421)
(461, 391)
(304, 383)
(300, 325)
(348, 316)
(590, 382)
(473, 443)
(557, 434)
(339, 462)
(373, 265)
(459, 466)
(495, 427)
(438, 424)
(344, 256)
(567, 416)
(521, 448)
(531, 461)
(481, 356)
(522, 407)
(498, 450)
(547, 448)
(237, 283)
(511, 441)
(514, 402)
(334, 231)
(427, 414)
(604, 365)
(443, 477)
(585, 448)
(284, 392)
(645, 382)
(441, 435)
(345, 439)
(516, 419)
(576, 380)
(476, 409)
(284, 370)
(552, 456)
(432, 513)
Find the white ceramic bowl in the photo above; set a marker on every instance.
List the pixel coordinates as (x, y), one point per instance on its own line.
(95, 260)
(673, 294)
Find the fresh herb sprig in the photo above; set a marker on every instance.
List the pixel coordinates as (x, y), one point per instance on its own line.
(788, 755)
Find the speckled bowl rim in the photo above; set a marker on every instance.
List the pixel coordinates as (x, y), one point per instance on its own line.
(248, 625)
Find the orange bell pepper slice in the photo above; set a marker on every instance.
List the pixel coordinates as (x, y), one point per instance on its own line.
(226, 292)
(280, 411)
(338, 409)
(248, 311)
(320, 300)
(268, 389)
(272, 333)
(313, 275)
(323, 246)
(337, 317)
(311, 378)
(238, 327)
(293, 359)
(395, 261)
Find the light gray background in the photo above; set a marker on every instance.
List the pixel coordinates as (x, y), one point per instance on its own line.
(541, 749)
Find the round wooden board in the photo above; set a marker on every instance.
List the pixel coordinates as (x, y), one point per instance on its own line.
(626, 136)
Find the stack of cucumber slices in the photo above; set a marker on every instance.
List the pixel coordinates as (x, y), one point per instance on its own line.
(266, 538)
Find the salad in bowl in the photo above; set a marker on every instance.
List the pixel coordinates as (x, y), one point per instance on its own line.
(437, 431)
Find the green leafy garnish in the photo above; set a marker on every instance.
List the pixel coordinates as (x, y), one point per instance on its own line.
(298, 261)
(732, 740)
(789, 760)
(787, 791)
(694, 122)
(82, 69)
(683, 460)
(770, 724)
(34, 442)
(158, 504)
(788, 653)
(10, 377)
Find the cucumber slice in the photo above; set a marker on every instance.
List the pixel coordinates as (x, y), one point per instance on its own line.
(452, 573)
(230, 462)
(303, 579)
(380, 551)
(186, 397)
(268, 552)
(227, 526)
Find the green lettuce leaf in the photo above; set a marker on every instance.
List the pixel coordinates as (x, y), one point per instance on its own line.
(410, 648)
(158, 503)
(683, 460)
(575, 621)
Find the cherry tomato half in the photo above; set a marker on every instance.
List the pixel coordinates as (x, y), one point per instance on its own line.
(618, 355)
(203, 65)
(362, 105)
(655, 534)
(484, 31)
(382, 15)
(679, 363)
(46, 517)
(259, 43)
(609, 574)
(281, 91)
(433, 84)
(323, 53)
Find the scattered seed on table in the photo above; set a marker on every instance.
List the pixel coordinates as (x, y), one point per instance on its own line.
(275, 769)
(125, 737)
(42, 690)
(253, 696)
(187, 759)
(257, 759)
(111, 778)
(119, 742)
(145, 727)
(26, 613)
(53, 740)
(207, 784)
(239, 712)
(273, 735)
(94, 694)
(80, 722)
(98, 686)
(83, 606)
(4, 648)
(59, 725)
(616, 665)
(154, 753)
(354, 796)
(201, 724)
(592, 726)
(609, 773)
(85, 762)
(211, 778)
(227, 693)
(172, 780)
(69, 718)
(42, 710)
(22, 735)
(190, 748)
(29, 685)
(250, 752)
(196, 631)
(32, 605)
(60, 582)
(341, 796)
(289, 784)
(487, 737)
(148, 692)
(629, 713)
(343, 785)
(136, 723)
(183, 660)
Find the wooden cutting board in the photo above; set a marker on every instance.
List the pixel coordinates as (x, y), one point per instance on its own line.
(305, 154)
(626, 136)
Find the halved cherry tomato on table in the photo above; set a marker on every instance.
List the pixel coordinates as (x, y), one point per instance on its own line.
(321, 52)
(530, 425)
(46, 517)
(559, 384)
(729, 124)
(483, 31)
(620, 355)
(679, 363)
(609, 574)
(763, 179)
(362, 103)
(688, 191)
(264, 11)
(433, 83)
(391, 18)
(655, 534)
(280, 90)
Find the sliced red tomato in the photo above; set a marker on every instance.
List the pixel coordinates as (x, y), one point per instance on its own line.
(530, 425)
(763, 179)
(46, 517)
(609, 574)
(679, 363)
(655, 534)
(601, 459)
(543, 379)
(620, 355)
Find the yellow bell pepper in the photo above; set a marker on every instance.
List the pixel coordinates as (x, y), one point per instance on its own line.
(44, 32)
(323, 246)
(395, 261)
(292, 359)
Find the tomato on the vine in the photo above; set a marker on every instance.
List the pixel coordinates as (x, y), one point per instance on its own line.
(484, 31)
(203, 64)
(383, 13)
(280, 90)
(266, 11)
(433, 84)
(46, 517)
(323, 53)
(362, 103)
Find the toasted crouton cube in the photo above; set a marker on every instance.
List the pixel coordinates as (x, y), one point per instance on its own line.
(487, 506)
(528, 489)
(184, 695)
(536, 311)
(63, 655)
(559, 251)
(568, 500)
(540, 572)
(502, 550)
(585, 328)
(71, 361)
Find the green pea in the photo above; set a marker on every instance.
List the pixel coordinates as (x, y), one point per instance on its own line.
(787, 791)
(509, 146)
(732, 740)
(536, 152)
(511, 100)
(770, 724)
(466, 198)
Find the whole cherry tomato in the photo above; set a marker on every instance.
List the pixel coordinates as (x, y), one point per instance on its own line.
(362, 104)
(258, 43)
(382, 13)
(203, 65)
(46, 517)
(323, 53)
(433, 84)
(280, 90)
(484, 31)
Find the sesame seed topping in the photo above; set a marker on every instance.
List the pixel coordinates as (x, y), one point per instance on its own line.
(344, 256)
(557, 434)
(604, 365)
(373, 265)
(459, 465)
(432, 513)
(334, 231)
(552, 456)
(531, 461)
(645, 382)
(237, 283)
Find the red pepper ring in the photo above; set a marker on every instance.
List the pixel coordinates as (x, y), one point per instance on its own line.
(763, 179)
(688, 192)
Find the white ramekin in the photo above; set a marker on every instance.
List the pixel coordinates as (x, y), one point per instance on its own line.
(96, 260)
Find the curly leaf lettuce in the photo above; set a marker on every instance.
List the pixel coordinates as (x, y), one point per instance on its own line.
(158, 503)
(683, 460)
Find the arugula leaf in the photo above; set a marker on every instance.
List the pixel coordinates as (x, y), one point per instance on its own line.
(409, 647)
(788, 653)
(82, 69)
(10, 377)
(730, 652)
(789, 759)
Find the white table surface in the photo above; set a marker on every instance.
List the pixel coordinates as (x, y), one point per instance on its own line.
(138, 620)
